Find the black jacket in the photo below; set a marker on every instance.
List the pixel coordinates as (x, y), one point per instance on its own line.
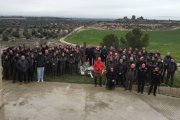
(111, 75)
(22, 65)
(142, 73)
(172, 67)
(40, 61)
(156, 77)
(120, 69)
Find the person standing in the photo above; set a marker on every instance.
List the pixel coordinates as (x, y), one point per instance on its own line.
(22, 67)
(98, 70)
(166, 61)
(40, 63)
(89, 55)
(142, 78)
(171, 68)
(15, 69)
(160, 65)
(156, 79)
(6, 68)
(104, 54)
(131, 76)
(111, 79)
(120, 71)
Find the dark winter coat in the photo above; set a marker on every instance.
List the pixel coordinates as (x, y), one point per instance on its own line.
(40, 61)
(22, 65)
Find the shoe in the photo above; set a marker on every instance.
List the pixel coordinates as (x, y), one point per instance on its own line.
(154, 94)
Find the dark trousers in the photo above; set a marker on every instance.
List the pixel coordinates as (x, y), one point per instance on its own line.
(22, 76)
(100, 81)
(70, 68)
(120, 80)
(90, 60)
(103, 59)
(62, 68)
(110, 84)
(6, 74)
(54, 70)
(128, 84)
(170, 75)
(30, 76)
(149, 76)
(15, 76)
(141, 83)
(153, 85)
(76, 67)
(164, 72)
(48, 69)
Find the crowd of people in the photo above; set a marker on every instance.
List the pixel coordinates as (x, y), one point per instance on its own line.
(122, 67)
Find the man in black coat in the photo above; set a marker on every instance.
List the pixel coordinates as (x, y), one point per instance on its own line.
(120, 71)
(142, 76)
(171, 68)
(166, 61)
(111, 79)
(6, 68)
(71, 62)
(78, 58)
(22, 67)
(62, 63)
(15, 69)
(89, 55)
(160, 65)
(53, 63)
(31, 69)
(104, 54)
(156, 78)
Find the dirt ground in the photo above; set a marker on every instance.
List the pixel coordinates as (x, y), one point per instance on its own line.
(64, 101)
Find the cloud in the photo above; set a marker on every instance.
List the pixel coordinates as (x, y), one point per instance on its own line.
(91, 8)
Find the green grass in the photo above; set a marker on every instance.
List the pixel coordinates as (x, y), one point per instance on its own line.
(164, 41)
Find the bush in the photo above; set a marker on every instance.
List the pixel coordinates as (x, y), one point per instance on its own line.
(111, 40)
(136, 39)
(5, 37)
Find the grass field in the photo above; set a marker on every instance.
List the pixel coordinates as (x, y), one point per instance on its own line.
(164, 41)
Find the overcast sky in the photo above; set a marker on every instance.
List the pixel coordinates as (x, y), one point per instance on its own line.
(153, 9)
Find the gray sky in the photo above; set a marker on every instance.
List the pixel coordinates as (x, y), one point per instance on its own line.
(158, 9)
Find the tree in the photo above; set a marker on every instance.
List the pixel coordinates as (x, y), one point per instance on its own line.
(125, 18)
(140, 18)
(16, 33)
(111, 40)
(136, 39)
(5, 37)
(26, 34)
(33, 32)
(123, 43)
(133, 17)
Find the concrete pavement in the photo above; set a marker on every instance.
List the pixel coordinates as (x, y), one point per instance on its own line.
(64, 101)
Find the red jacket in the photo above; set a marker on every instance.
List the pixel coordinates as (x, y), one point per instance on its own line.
(98, 66)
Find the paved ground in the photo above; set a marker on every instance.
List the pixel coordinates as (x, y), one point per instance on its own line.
(62, 101)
